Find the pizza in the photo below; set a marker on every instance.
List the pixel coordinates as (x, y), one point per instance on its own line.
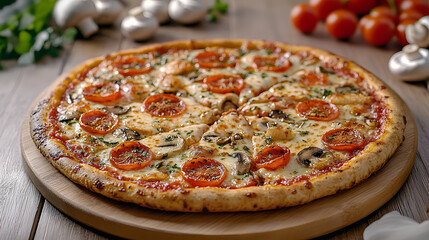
(218, 125)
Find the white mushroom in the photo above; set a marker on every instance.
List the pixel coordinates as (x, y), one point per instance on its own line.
(137, 26)
(157, 9)
(108, 11)
(164, 144)
(187, 11)
(411, 64)
(79, 13)
(418, 32)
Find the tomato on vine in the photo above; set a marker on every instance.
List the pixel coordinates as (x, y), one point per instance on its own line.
(304, 18)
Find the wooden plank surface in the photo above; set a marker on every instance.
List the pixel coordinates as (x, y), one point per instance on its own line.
(19, 201)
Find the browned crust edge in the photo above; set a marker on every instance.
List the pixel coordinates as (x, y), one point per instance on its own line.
(372, 158)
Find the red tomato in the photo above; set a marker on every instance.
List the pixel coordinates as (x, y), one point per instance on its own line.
(104, 92)
(400, 31)
(311, 79)
(343, 139)
(318, 110)
(164, 105)
(360, 6)
(378, 30)
(130, 66)
(410, 14)
(98, 122)
(341, 24)
(130, 156)
(383, 11)
(304, 18)
(272, 157)
(222, 83)
(421, 6)
(271, 64)
(210, 59)
(324, 7)
(204, 172)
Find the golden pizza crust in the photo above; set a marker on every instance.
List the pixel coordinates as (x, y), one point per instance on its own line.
(256, 198)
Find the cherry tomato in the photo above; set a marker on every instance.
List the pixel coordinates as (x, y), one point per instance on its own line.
(410, 14)
(318, 110)
(383, 11)
(378, 30)
(271, 64)
(324, 7)
(222, 83)
(272, 157)
(360, 6)
(310, 79)
(210, 59)
(341, 24)
(130, 155)
(98, 122)
(130, 66)
(400, 31)
(343, 139)
(421, 6)
(104, 92)
(304, 18)
(164, 105)
(204, 172)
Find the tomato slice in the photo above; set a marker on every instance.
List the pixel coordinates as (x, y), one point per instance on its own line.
(164, 105)
(343, 139)
(311, 79)
(210, 59)
(130, 66)
(104, 92)
(318, 110)
(131, 155)
(272, 157)
(204, 172)
(222, 83)
(98, 122)
(271, 64)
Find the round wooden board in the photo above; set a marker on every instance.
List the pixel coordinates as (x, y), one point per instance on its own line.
(314, 219)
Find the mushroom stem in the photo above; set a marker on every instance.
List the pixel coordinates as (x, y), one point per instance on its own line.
(412, 52)
(87, 27)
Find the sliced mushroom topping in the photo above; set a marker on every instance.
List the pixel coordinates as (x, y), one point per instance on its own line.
(118, 110)
(346, 89)
(166, 144)
(127, 133)
(316, 158)
(371, 122)
(325, 70)
(196, 76)
(237, 136)
(243, 163)
(277, 114)
(223, 140)
(69, 115)
(69, 97)
(209, 137)
(228, 105)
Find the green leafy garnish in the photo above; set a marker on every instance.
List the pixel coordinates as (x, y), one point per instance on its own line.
(219, 7)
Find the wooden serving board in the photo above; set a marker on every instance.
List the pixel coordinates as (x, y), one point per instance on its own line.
(314, 219)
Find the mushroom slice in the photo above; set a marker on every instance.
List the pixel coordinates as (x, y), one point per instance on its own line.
(164, 144)
(118, 110)
(316, 158)
(243, 163)
(346, 89)
(229, 101)
(69, 115)
(127, 133)
(228, 105)
(278, 114)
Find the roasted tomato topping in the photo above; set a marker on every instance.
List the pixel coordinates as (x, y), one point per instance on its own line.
(271, 64)
(104, 92)
(343, 139)
(204, 172)
(318, 110)
(310, 79)
(164, 105)
(130, 156)
(272, 157)
(222, 83)
(130, 66)
(211, 59)
(98, 122)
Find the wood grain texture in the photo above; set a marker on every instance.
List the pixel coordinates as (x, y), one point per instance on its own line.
(246, 19)
(309, 220)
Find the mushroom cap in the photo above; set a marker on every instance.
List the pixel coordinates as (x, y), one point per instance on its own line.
(410, 64)
(68, 13)
(139, 27)
(187, 11)
(156, 8)
(108, 11)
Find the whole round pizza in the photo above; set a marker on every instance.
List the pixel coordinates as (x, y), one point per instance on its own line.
(218, 125)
